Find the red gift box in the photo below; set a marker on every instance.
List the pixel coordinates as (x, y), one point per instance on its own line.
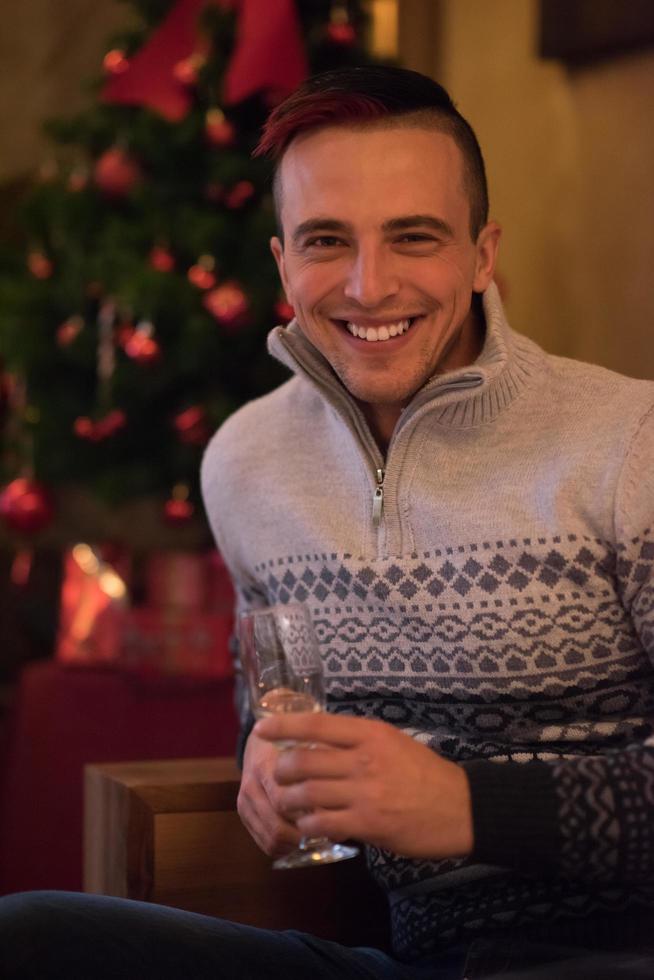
(182, 630)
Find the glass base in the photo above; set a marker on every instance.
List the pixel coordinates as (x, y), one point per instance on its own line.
(316, 852)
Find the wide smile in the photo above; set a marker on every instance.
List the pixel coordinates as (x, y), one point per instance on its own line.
(379, 332)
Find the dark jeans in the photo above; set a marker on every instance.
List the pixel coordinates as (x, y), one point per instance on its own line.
(65, 936)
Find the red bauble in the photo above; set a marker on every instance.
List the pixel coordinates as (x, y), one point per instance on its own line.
(116, 173)
(191, 426)
(113, 422)
(26, 506)
(68, 330)
(141, 346)
(115, 62)
(201, 274)
(161, 259)
(178, 510)
(186, 71)
(123, 333)
(239, 194)
(218, 130)
(104, 428)
(228, 304)
(84, 427)
(343, 34)
(284, 310)
(40, 265)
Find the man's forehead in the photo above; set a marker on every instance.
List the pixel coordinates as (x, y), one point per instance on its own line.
(324, 168)
(394, 132)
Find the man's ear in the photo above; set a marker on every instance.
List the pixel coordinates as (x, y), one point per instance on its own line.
(277, 250)
(487, 247)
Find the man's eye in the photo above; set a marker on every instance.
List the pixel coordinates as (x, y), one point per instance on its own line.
(414, 237)
(323, 241)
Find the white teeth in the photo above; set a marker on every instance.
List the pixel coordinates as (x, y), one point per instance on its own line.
(374, 334)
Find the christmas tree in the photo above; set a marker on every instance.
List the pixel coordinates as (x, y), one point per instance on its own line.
(133, 312)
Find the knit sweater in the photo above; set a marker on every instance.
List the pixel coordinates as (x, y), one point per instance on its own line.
(498, 607)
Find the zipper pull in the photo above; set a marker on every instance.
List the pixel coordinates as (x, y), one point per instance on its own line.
(378, 498)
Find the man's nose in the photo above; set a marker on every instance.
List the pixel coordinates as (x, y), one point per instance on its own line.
(372, 278)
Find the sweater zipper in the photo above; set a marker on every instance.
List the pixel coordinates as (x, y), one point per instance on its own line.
(378, 498)
(466, 381)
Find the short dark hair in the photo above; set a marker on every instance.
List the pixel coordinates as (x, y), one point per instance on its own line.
(368, 96)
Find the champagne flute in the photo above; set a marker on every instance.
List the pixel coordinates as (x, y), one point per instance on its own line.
(282, 665)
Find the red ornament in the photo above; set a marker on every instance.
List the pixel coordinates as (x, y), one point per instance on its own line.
(178, 510)
(241, 192)
(343, 34)
(123, 332)
(228, 304)
(191, 426)
(84, 427)
(186, 71)
(104, 428)
(115, 62)
(161, 259)
(340, 30)
(69, 329)
(201, 274)
(284, 310)
(218, 130)
(40, 265)
(141, 346)
(26, 506)
(116, 173)
(113, 422)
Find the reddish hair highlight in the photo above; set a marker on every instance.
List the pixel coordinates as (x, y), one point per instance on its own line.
(295, 116)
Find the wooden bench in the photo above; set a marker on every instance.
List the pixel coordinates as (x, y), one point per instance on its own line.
(168, 832)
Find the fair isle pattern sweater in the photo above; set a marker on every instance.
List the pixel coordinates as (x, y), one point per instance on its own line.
(501, 611)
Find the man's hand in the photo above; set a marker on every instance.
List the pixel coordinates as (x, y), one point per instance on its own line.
(369, 781)
(258, 803)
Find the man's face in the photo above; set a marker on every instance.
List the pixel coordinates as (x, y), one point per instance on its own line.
(377, 258)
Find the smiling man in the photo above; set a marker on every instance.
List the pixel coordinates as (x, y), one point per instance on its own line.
(471, 523)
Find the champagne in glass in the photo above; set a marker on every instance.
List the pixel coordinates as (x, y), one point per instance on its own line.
(283, 669)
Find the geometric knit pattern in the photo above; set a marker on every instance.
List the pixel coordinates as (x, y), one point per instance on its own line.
(606, 805)
(490, 905)
(510, 651)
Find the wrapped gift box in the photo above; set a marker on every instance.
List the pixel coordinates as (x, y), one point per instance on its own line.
(182, 628)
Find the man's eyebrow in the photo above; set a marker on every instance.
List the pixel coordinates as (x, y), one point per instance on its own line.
(313, 225)
(404, 223)
(419, 221)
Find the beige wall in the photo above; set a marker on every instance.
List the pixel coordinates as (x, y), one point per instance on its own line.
(48, 50)
(570, 157)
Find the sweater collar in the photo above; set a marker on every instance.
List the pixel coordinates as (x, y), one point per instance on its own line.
(466, 396)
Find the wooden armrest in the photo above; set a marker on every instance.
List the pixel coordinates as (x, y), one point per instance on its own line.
(168, 832)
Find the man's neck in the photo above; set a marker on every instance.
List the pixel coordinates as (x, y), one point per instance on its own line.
(381, 420)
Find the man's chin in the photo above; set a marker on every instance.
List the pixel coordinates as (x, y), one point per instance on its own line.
(370, 393)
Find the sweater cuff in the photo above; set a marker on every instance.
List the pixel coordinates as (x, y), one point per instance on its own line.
(515, 815)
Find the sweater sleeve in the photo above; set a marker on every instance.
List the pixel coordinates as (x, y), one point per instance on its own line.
(586, 817)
